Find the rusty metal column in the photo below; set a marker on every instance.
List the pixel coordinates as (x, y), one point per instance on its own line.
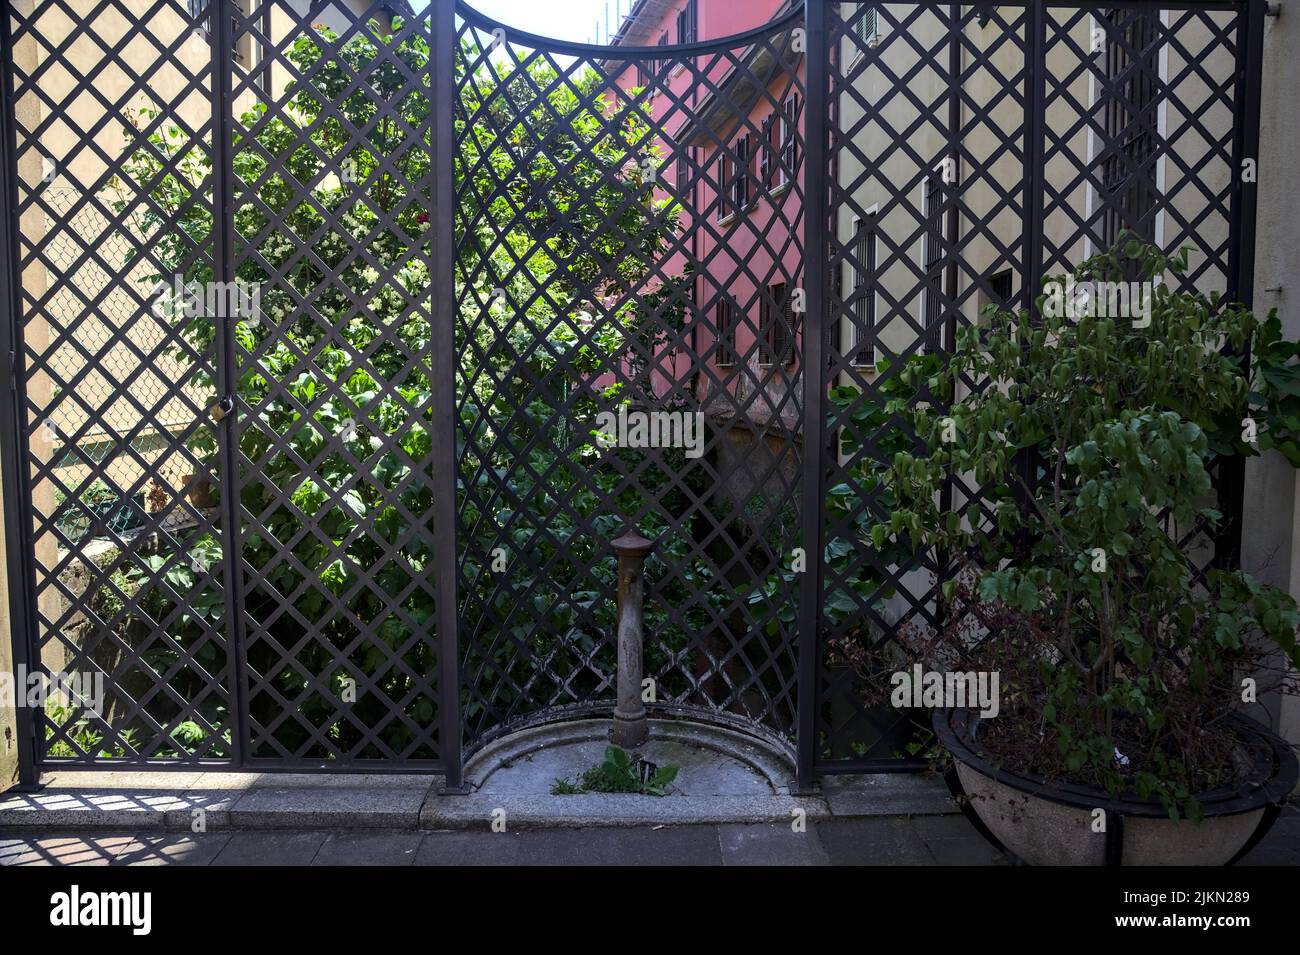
(630, 725)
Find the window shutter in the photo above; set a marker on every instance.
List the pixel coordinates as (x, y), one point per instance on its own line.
(724, 187)
(790, 139)
(726, 334)
(768, 172)
(785, 353)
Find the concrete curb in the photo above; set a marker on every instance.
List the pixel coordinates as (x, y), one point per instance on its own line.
(205, 801)
(612, 810)
(410, 803)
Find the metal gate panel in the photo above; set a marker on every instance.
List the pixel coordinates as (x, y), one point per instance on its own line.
(974, 150)
(110, 106)
(592, 270)
(335, 467)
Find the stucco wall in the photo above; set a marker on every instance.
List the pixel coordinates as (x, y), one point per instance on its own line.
(1271, 535)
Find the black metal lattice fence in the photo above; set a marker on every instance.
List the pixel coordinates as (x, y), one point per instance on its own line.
(484, 300)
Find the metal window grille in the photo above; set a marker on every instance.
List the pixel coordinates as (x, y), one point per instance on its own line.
(1001, 289)
(932, 262)
(1131, 83)
(725, 325)
(864, 294)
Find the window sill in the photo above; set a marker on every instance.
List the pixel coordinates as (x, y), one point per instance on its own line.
(731, 216)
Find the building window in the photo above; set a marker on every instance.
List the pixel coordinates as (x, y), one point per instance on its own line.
(864, 294)
(726, 327)
(867, 25)
(735, 180)
(740, 181)
(770, 149)
(724, 187)
(1001, 289)
(776, 326)
(788, 122)
(682, 174)
(933, 264)
(1128, 168)
(688, 28)
(661, 63)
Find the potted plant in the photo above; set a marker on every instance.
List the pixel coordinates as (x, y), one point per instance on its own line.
(1123, 664)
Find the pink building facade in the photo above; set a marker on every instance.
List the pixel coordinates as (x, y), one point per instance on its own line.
(732, 157)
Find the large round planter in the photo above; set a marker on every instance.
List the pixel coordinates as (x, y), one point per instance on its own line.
(1058, 824)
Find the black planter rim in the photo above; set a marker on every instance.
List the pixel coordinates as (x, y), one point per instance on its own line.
(1276, 772)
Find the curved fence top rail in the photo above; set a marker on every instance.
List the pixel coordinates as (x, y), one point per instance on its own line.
(595, 51)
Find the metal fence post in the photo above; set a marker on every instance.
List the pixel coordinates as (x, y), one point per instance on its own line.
(442, 66)
(223, 270)
(1241, 249)
(13, 440)
(1032, 265)
(813, 365)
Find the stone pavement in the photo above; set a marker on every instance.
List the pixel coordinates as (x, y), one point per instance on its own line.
(883, 840)
(127, 801)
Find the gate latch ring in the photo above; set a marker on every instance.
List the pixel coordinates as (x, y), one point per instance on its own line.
(222, 408)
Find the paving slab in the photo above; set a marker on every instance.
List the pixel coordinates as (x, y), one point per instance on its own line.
(165, 780)
(888, 794)
(270, 848)
(771, 844)
(70, 848)
(321, 780)
(92, 809)
(369, 848)
(326, 807)
(882, 841)
(172, 848)
(133, 800)
(612, 809)
(953, 840)
(669, 846)
(212, 805)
